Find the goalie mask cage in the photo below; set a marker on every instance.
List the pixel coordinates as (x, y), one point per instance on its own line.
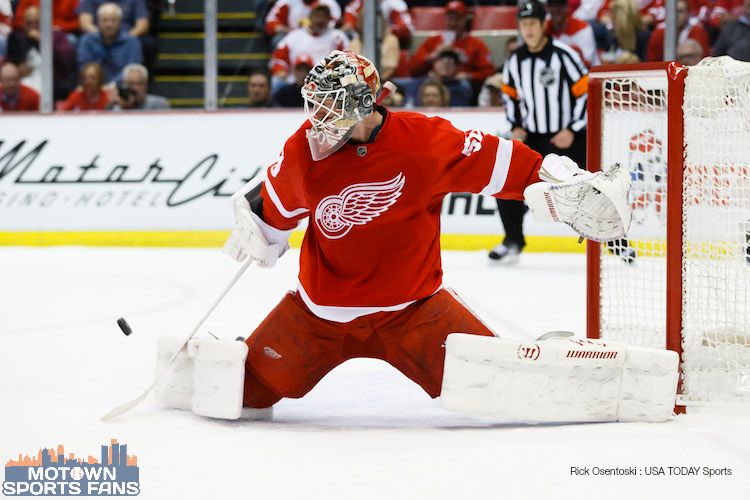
(684, 134)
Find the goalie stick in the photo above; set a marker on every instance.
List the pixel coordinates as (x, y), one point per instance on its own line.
(121, 410)
(388, 88)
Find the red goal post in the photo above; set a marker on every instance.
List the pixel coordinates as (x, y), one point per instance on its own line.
(688, 288)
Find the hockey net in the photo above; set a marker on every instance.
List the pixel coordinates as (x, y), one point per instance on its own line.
(684, 133)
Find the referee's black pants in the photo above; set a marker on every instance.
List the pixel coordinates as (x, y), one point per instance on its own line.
(512, 211)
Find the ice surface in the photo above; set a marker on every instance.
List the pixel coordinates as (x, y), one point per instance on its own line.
(364, 432)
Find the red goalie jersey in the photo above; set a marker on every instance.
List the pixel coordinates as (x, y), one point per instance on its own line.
(373, 239)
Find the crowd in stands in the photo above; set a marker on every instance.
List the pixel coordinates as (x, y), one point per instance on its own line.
(454, 67)
(94, 41)
(102, 50)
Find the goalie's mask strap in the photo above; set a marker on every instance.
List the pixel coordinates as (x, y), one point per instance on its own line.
(376, 130)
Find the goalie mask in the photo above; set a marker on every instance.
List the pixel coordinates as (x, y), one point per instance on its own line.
(339, 91)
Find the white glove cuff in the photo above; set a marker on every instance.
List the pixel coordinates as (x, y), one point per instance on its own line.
(556, 169)
(270, 233)
(253, 237)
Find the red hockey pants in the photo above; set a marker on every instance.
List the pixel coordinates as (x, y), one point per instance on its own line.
(292, 350)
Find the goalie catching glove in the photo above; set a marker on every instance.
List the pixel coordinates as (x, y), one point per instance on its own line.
(252, 237)
(595, 205)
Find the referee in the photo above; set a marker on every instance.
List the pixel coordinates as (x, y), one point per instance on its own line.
(544, 91)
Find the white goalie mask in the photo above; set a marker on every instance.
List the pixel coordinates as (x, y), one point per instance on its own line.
(339, 91)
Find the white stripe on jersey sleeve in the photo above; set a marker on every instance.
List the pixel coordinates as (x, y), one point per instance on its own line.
(270, 233)
(279, 206)
(500, 170)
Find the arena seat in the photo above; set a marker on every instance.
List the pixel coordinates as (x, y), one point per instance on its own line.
(502, 17)
(428, 18)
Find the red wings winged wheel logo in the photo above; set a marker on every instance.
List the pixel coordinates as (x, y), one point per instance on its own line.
(356, 205)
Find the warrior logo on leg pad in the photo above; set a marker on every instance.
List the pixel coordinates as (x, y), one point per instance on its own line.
(526, 351)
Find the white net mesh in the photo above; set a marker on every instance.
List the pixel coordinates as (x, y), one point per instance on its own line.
(634, 129)
(716, 224)
(716, 228)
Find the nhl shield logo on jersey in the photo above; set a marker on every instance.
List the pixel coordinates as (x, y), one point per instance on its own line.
(361, 150)
(356, 205)
(547, 77)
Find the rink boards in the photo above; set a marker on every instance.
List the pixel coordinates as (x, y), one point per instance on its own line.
(164, 179)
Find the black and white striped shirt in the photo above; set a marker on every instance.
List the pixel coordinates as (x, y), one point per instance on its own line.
(545, 92)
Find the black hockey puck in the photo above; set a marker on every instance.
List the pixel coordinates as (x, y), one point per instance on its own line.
(124, 326)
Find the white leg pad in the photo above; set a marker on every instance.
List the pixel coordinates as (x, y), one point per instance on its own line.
(175, 387)
(218, 377)
(562, 380)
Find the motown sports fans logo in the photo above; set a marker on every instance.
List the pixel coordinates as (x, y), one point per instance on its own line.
(356, 205)
(49, 473)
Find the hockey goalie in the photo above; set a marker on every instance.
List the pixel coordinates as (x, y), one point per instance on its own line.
(371, 181)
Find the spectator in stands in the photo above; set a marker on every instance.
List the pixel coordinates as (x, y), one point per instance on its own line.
(699, 8)
(24, 51)
(689, 52)
(476, 59)
(724, 11)
(92, 94)
(111, 46)
(627, 58)
(491, 94)
(395, 11)
(133, 94)
(135, 20)
(390, 52)
(259, 89)
(510, 46)
(64, 17)
(650, 12)
(396, 98)
(653, 12)
(290, 95)
(433, 94)
(628, 34)
(734, 39)
(445, 69)
(134, 17)
(6, 21)
(687, 27)
(288, 15)
(14, 96)
(574, 32)
(587, 10)
(316, 41)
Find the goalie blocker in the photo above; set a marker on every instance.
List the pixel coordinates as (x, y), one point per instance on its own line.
(560, 379)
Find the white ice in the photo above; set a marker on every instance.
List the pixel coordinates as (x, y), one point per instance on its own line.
(364, 432)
